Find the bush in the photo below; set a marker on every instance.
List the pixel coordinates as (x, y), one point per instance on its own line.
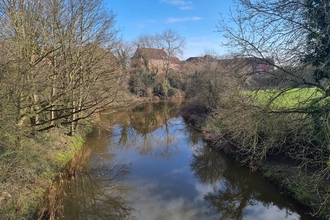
(209, 84)
(147, 84)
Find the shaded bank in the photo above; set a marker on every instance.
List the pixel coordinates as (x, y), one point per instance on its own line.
(25, 175)
(279, 169)
(31, 171)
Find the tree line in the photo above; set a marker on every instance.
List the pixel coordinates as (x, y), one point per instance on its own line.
(62, 60)
(285, 114)
(56, 68)
(55, 57)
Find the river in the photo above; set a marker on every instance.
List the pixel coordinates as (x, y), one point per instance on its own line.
(146, 163)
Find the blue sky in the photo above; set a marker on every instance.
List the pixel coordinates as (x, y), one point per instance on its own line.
(195, 20)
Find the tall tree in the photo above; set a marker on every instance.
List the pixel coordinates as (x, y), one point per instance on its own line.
(318, 38)
(172, 43)
(296, 34)
(169, 39)
(56, 56)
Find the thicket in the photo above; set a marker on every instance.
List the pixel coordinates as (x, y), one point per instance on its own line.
(147, 80)
(269, 118)
(268, 126)
(149, 84)
(56, 69)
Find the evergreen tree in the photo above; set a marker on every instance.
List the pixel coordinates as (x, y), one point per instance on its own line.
(318, 38)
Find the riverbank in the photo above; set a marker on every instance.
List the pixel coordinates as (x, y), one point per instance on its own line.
(29, 172)
(291, 179)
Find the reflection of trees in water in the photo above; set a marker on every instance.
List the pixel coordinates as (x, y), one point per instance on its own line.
(148, 129)
(234, 187)
(232, 193)
(192, 135)
(99, 193)
(161, 143)
(207, 165)
(148, 117)
(230, 199)
(125, 132)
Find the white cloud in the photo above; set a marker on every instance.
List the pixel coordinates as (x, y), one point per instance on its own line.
(178, 171)
(270, 212)
(142, 24)
(196, 18)
(184, 5)
(174, 20)
(177, 2)
(150, 206)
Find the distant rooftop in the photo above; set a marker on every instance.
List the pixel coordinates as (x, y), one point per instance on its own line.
(150, 53)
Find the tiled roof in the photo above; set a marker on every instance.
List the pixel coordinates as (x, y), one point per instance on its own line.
(175, 60)
(248, 60)
(150, 53)
(207, 58)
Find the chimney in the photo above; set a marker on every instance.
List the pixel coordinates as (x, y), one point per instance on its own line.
(138, 46)
(162, 48)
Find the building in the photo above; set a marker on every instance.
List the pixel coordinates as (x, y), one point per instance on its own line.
(248, 65)
(199, 62)
(154, 59)
(176, 64)
(251, 65)
(206, 58)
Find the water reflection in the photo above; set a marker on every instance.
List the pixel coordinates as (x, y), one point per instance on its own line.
(147, 129)
(236, 192)
(207, 165)
(148, 164)
(98, 192)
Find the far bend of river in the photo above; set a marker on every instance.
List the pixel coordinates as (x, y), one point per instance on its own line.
(147, 164)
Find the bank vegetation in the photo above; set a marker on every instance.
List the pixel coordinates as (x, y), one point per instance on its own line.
(57, 69)
(277, 121)
(61, 61)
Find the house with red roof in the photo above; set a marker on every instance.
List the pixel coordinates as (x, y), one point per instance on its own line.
(154, 59)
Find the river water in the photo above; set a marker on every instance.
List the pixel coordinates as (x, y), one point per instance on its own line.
(146, 163)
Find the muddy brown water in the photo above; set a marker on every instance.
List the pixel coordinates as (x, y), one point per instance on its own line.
(148, 164)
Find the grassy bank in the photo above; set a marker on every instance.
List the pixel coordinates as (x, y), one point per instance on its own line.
(290, 98)
(51, 204)
(27, 172)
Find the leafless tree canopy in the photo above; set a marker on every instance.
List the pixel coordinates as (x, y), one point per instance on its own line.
(172, 42)
(56, 56)
(295, 33)
(267, 29)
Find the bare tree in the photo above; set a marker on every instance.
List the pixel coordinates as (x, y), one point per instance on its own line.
(173, 44)
(56, 69)
(124, 51)
(168, 40)
(295, 33)
(86, 46)
(148, 41)
(58, 55)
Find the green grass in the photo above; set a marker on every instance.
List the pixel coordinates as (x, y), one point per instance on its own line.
(293, 98)
(74, 145)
